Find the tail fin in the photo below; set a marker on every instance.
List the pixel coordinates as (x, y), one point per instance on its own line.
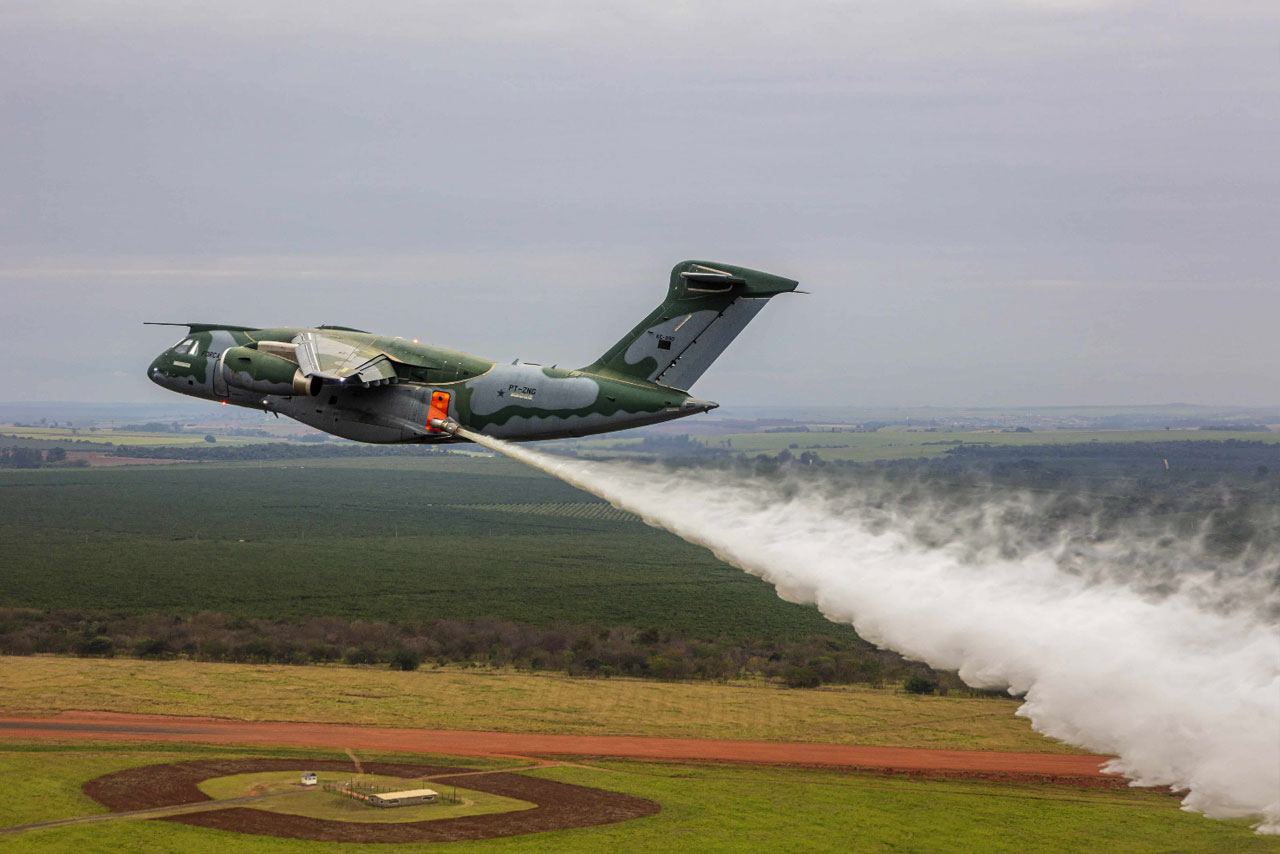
(707, 305)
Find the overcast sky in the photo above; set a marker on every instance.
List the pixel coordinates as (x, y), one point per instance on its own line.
(994, 202)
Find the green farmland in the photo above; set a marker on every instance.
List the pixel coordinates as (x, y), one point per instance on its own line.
(704, 808)
(403, 539)
(408, 539)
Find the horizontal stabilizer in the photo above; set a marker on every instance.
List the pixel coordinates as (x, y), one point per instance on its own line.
(201, 327)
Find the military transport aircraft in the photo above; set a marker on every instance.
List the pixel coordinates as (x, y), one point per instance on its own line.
(373, 388)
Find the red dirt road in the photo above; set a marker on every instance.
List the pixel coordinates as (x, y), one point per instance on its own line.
(979, 763)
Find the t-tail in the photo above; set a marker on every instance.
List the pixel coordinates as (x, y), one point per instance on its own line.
(707, 305)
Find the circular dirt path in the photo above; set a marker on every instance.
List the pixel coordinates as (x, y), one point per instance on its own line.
(987, 764)
(560, 806)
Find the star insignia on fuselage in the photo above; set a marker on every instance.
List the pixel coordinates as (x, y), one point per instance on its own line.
(499, 392)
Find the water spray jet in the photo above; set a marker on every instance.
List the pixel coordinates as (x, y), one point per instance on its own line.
(1184, 696)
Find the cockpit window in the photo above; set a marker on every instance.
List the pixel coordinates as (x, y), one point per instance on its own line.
(184, 346)
(195, 346)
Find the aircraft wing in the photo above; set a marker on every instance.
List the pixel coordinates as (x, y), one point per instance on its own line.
(341, 361)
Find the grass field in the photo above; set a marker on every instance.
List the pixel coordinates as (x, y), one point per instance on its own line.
(403, 539)
(890, 444)
(332, 806)
(704, 809)
(451, 698)
(49, 772)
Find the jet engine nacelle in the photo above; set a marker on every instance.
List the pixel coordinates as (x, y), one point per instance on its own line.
(254, 370)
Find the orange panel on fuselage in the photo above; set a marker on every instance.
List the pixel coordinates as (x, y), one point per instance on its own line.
(439, 409)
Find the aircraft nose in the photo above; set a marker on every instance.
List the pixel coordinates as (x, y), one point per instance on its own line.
(154, 373)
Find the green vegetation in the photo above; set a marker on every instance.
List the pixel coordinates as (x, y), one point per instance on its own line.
(25, 458)
(508, 701)
(412, 558)
(419, 557)
(567, 509)
(581, 650)
(704, 809)
(403, 539)
(54, 792)
(48, 782)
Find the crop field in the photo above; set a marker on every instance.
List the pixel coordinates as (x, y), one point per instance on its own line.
(890, 444)
(106, 435)
(704, 808)
(405, 538)
(483, 699)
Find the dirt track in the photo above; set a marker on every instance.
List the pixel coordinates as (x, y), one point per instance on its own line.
(968, 763)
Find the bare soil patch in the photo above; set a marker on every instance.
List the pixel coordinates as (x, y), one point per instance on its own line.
(97, 459)
(560, 806)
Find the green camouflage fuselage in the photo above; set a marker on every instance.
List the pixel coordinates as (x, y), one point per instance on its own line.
(520, 401)
(373, 388)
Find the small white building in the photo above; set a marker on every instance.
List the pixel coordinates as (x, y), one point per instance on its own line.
(406, 798)
(309, 779)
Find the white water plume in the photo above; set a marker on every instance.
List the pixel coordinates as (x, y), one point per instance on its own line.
(1182, 694)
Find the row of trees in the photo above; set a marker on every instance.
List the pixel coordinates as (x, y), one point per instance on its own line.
(30, 458)
(154, 427)
(574, 649)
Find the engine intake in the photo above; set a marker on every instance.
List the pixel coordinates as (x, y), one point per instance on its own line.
(265, 373)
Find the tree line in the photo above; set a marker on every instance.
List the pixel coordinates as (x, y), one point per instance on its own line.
(32, 458)
(577, 650)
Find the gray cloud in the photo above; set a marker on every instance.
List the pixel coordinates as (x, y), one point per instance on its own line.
(994, 202)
